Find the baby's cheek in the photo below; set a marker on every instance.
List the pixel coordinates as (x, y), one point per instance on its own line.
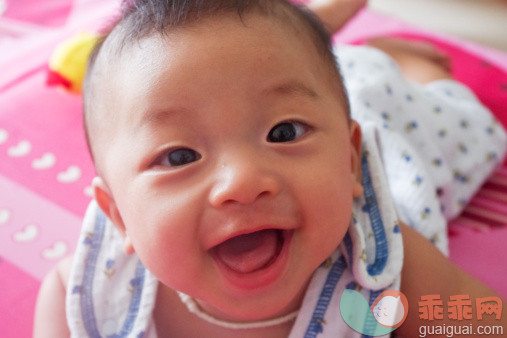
(171, 260)
(160, 242)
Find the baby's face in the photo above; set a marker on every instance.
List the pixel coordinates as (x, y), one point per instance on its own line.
(230, 163)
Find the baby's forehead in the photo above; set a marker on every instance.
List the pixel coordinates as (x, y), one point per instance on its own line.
(121, 57)
(144, 61)
(124, 59)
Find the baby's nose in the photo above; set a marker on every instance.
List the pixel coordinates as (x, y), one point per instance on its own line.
(243, 180)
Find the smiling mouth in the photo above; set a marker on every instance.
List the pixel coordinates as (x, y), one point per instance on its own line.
(249, 253)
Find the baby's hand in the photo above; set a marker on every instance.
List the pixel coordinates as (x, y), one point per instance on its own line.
(336, 13)
(343, 4)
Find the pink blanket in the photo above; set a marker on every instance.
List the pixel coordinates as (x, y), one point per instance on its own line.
(45, 170)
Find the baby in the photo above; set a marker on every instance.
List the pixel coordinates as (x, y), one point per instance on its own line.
(229, 165)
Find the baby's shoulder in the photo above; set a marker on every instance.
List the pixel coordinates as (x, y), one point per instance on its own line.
(50, 309)
(62, 269)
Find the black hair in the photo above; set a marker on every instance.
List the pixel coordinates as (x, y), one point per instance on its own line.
(142, 18)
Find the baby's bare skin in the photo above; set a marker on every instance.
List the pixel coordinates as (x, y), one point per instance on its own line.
(419, 61)
(336, 13)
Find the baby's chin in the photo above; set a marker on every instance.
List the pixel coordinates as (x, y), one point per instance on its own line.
(268, 305)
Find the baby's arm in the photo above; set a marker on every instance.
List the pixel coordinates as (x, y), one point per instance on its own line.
(50, 319)
(426, 271)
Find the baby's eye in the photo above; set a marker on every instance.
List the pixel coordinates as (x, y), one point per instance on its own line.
(287, 131)
(179, 157)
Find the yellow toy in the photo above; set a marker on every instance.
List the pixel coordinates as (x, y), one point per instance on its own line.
(67, 65)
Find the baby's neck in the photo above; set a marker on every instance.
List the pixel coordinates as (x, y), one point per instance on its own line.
(172, 319)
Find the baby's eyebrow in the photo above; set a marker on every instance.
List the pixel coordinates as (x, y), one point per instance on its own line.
(290, 88)
(154, 117)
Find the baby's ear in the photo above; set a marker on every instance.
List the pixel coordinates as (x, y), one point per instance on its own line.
(355, 142)
(107, 204)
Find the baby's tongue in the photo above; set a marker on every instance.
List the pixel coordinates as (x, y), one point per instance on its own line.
(247, 253)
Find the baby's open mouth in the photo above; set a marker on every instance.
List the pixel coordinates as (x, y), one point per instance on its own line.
(251, 252)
